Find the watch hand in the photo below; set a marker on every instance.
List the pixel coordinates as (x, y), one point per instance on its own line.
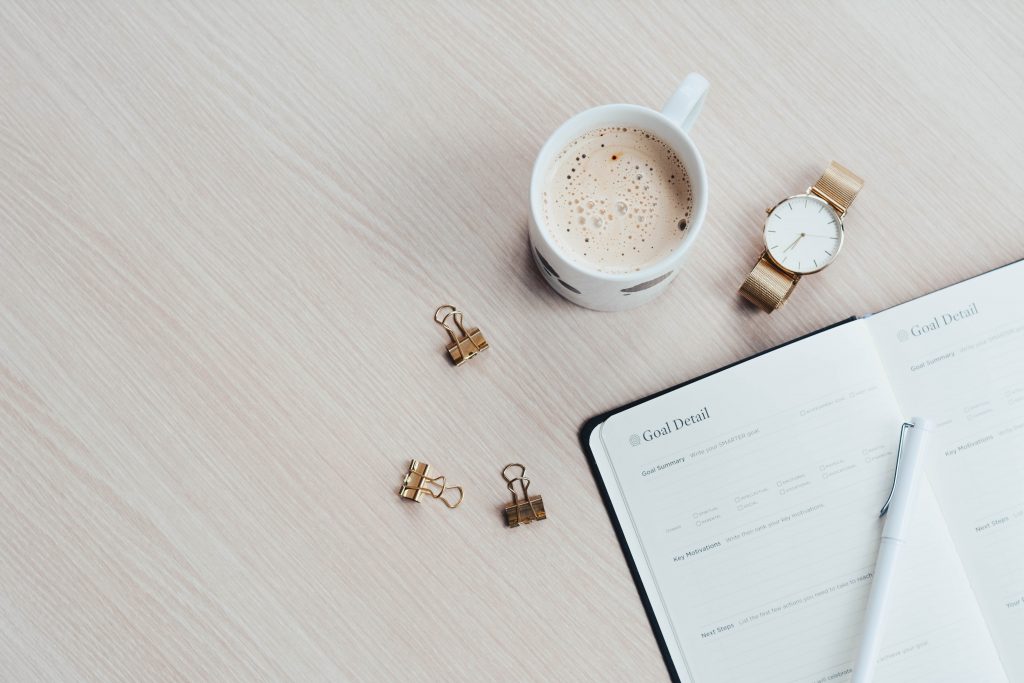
(811, 234)
(801, 236)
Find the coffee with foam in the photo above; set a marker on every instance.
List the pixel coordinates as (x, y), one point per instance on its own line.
(617, 200)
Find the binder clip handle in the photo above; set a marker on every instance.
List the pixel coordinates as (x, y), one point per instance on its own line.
(456, 316)
(507, 478)
(440, 492)
(440, 495)
(510, 481)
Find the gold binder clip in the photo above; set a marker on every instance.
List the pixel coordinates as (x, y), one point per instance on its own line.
(530, 508)
(418, 481)
(466, 343)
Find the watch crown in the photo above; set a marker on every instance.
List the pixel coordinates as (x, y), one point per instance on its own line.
(768, 210)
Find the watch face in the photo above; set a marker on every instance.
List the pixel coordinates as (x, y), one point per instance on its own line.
(803, 234)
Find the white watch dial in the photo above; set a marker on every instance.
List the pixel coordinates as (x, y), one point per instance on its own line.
(803, 234)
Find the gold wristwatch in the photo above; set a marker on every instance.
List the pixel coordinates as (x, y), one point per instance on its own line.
(802, 235)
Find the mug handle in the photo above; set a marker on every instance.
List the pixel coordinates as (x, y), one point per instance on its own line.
(684, 106)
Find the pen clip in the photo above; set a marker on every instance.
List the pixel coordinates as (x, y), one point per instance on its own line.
(896, 472)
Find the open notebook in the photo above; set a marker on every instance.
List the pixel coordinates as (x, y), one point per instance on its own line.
(747, 500)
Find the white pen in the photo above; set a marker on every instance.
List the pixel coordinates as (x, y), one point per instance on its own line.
(910, 455)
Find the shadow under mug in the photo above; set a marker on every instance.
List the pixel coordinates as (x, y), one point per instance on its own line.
(621, 291)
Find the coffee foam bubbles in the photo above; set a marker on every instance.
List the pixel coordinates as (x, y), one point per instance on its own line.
(617, 200)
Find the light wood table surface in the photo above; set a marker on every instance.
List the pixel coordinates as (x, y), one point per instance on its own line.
(224, 227)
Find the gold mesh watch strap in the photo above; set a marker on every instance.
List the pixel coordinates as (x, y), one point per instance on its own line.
(838, 186)
(767, 286)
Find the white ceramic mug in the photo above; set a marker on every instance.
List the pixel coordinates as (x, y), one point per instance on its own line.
(614, 291)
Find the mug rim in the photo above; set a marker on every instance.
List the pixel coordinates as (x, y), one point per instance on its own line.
(700, 190)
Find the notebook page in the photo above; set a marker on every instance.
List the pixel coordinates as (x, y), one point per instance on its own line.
(957, 356)
(750, 502)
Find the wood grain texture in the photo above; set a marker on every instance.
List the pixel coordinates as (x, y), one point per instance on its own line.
(224, 227)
